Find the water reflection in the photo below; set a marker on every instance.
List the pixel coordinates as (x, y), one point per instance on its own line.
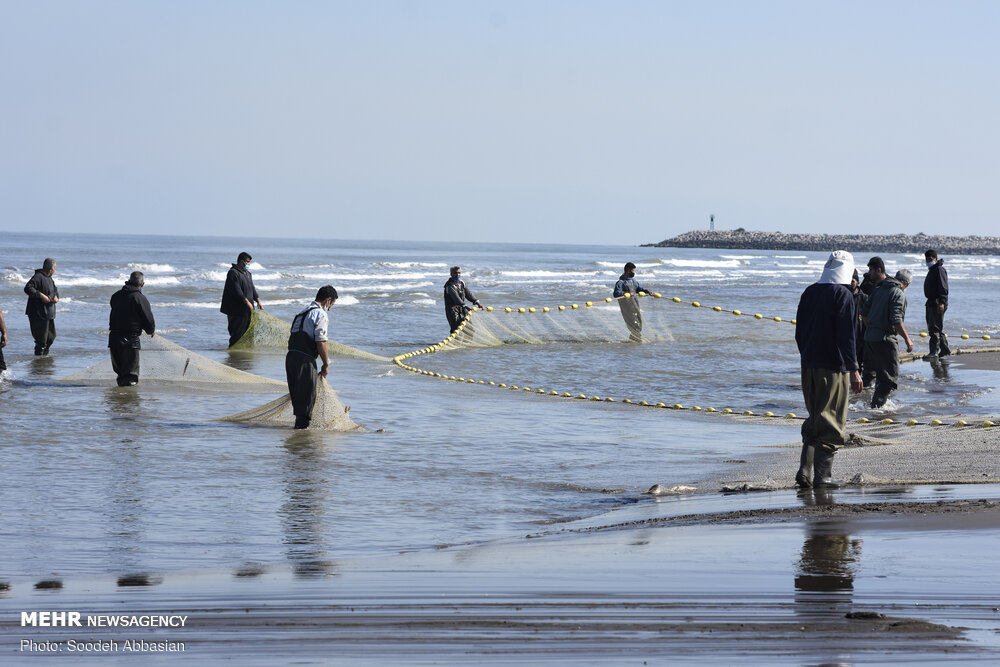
(241, 359)
(42, 367)
(122, 402)
(939, 367)
(303, 512)
(824, 582)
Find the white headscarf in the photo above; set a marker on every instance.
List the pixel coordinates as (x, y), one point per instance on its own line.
(839, 269)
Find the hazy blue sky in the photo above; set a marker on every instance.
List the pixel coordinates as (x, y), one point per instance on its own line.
(537, 121)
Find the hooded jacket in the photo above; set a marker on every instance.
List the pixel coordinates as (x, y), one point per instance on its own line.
(40, 284)
(456, 293)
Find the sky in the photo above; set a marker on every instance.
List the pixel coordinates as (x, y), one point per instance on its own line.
(541, 121)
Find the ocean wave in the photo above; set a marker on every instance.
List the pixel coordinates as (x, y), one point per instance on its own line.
(14, 278)
(743, 257)
(410, 265)
(554, 274)
(702, 263)
(355, 277)
(151, 268)
(424, 302)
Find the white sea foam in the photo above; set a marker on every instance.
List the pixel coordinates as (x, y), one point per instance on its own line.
(410, 265)
(424, 302)
(554, 274)
(151, 268)
(700, 263)
(14, 278)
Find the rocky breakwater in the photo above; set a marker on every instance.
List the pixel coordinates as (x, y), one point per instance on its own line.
(741, 239)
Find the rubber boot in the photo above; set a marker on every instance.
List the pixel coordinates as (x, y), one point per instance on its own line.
(301, 421)
(823, 471)
(803, 478)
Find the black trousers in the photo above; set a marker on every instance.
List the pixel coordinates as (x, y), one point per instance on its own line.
(3, 364)
(935, 325)
(125, 362)
(882, 359)
(302, 376)
(44, 332)
(456, 315)
(238, 325)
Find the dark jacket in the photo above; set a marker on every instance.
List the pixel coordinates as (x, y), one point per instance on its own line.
(936, 284)
(130, 316)
(627, 285)
(456, 294)
(868, 284)
(40, 284)
(824, 328)
(886, 307)
(239, 286)
(860, 304)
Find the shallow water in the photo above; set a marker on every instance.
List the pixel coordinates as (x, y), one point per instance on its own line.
(109, 481)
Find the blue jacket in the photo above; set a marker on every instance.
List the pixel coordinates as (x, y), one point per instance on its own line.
(627, 285)
(824, 328)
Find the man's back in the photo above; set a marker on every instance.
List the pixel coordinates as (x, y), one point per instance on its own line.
(824, 329)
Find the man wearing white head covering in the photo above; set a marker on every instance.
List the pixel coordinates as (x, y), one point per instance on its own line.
(824, 333)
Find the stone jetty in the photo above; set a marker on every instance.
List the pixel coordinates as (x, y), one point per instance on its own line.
(741, 239)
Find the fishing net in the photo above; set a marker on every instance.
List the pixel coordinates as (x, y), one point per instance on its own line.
(162, 360)
(266, 330)
(328, 413)
(623, 320)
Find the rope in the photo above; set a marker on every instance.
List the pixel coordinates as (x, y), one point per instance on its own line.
(399, 360)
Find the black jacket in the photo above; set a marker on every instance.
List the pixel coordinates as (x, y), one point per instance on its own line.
(40, 284)
(130, 316)
(239, 286)
(936, 284)
(824, 328)
(456, 293)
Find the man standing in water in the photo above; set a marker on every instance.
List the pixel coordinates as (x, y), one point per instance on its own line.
(237, 298)
(130, 316)
(456, 293)
(884, 317)
(308, 340)
(3, 341)
(824, 334)
(43, 295)
(936, 291)
(629, 305)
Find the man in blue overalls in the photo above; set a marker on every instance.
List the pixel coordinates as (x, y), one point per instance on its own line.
(307, 342)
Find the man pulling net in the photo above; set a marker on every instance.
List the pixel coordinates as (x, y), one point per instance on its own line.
(307, 341)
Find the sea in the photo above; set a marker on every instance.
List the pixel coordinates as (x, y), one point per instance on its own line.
(105, 481)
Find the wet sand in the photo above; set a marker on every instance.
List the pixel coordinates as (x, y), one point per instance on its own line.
(877, 575)
(896, 567)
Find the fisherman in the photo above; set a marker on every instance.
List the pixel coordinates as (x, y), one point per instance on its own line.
(130, 316)
(884, 317)
(3, 341)
(874, 275)
(824, 334)
(936, 292)
(629, 305)
(43, 295)
(237, 297)
(308, 340)
(456, 293)
(860, 301)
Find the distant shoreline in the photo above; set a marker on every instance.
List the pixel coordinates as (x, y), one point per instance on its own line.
(741, 239)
